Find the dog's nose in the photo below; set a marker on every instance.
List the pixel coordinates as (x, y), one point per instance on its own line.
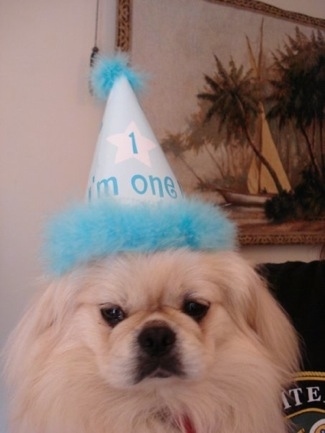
(157, 340)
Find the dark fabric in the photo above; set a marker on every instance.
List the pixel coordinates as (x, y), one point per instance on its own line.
(300, 289)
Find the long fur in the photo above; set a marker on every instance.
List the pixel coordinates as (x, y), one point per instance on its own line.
(69, 371)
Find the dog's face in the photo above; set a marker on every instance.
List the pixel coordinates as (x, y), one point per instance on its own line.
(155, 317)
(171, 332)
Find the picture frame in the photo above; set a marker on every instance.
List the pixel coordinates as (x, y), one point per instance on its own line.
(225, 36)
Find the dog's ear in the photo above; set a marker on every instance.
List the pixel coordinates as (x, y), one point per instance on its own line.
(255, 309)
(272, 325)
(39, 324)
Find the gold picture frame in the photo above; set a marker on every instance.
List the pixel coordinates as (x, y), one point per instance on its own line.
(129, 39)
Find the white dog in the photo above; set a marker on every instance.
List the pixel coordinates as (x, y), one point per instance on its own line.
(169, 342)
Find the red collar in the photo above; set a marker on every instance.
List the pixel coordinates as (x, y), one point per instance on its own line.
(187, 425)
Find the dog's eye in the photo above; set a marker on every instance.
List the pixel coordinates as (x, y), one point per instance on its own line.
(194, 309)
(113, 315)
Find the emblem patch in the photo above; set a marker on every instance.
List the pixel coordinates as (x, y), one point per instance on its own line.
(304, 403)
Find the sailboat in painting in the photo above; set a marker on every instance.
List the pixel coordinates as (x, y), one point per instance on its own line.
(260, 184)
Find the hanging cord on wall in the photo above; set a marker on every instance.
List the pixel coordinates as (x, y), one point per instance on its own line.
(95, 49)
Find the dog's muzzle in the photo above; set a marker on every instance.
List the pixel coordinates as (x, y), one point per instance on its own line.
(158, 355)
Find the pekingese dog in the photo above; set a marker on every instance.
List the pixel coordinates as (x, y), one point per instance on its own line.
(171, 342)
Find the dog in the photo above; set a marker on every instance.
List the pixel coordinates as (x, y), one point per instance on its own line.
(169, 342)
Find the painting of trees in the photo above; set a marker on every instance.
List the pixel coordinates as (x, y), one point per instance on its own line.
(292, 93)
(237, 104)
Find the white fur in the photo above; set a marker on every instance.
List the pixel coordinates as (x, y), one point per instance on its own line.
(69, 372)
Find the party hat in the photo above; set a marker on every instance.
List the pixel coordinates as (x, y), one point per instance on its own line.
(133, 201)
(129, 163)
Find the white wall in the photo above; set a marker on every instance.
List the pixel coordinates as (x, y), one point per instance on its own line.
(49, 125)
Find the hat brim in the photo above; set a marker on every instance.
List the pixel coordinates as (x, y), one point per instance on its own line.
(91, 231)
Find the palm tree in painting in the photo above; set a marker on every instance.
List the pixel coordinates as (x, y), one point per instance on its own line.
(298, 92)
(298, 96)
(234, 102)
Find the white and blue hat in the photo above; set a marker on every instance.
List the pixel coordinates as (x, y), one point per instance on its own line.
(129, 164)
(134, 202)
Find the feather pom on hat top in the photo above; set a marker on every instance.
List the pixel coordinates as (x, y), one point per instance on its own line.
(134, 202)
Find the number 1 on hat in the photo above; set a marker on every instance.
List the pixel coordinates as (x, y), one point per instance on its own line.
(134, 144)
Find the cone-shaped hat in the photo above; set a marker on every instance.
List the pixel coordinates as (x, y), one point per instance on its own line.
(129, 163)
(134, 202)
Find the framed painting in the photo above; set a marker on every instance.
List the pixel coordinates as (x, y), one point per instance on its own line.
(236, 99)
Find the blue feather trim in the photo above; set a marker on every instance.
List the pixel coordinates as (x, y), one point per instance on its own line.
(91, 231)
(106, 71)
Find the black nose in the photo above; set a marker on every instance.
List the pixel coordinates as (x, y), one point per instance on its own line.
(157, 340)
